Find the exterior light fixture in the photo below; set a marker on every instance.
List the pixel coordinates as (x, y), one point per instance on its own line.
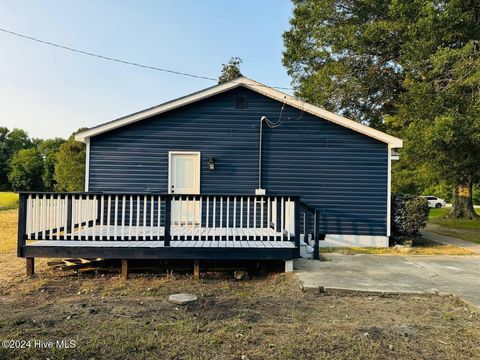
(211, 164)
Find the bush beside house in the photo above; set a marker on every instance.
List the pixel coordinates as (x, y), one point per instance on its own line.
(409, 216)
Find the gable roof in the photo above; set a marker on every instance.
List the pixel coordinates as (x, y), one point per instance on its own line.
(249, 84)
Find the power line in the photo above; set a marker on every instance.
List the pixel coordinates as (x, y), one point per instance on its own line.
(125, 62)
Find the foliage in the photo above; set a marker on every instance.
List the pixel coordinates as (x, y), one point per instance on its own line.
(410, 67)
(26, 170)
(230, 70)
(409, 216)
(48, 149)
(70, 166)
(11, 142)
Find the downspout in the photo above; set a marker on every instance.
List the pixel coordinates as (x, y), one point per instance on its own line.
(259, 190)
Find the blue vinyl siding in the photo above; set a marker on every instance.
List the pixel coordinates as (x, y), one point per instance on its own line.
(339, 171)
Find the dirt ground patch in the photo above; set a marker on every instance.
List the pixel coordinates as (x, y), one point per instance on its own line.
(268, 317)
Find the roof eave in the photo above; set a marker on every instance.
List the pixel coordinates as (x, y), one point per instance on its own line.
(392, 141)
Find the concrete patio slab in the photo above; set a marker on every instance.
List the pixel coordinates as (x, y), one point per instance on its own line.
(458, 275)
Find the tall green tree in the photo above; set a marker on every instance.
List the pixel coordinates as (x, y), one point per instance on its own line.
(389, 64)
(26, 169)
(69, 172)
(230, 70)
(440, 112)
(10, 143)
(48, 149)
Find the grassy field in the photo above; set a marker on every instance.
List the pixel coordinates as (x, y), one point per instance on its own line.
(8, 200)
(463, 229)
(8, 230)
(268, 317)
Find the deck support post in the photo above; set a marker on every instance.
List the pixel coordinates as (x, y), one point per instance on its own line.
(30, 266)
(124, 271)
(288, 266)
(196, 269)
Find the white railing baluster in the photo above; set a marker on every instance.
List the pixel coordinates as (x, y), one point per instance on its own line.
(200, 203)
(102, 214)
(282, 217)
(288, 223)
(221, 215)
(234, 218)
(80, 216)
(227, 228)
(44, 215)
(47, 217)
(207, 214)
(262, 200)
(94, 216)
(122, 230)
(144, 232)
(130, 218)
(109, 210)
(152, 213)
(214, 211)
(255, 212)
(137, 208)
(65, 217)
(241, 211)
(115, 220)
(269, 218)
(248, 213)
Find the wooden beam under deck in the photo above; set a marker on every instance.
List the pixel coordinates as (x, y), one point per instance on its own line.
(77, 249)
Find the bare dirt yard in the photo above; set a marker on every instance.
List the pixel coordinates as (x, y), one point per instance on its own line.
(267, 317)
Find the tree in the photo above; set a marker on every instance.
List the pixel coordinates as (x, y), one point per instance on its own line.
(446, 133)
(230, 70)
(48, 149)
(10, 143)
(69, 171)
(396, 65)
(26, 169)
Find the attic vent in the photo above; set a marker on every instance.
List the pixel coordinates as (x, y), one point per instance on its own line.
(240, 102)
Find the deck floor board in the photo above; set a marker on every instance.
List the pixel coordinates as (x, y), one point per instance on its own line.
(156, 243)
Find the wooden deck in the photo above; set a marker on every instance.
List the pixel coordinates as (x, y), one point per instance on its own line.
(158, 226)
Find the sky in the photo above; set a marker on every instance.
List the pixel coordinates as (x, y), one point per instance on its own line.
(51, 92)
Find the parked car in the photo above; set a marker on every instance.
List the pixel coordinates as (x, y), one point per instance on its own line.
(435, 202)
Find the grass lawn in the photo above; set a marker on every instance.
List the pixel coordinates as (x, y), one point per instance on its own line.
(8, 230)
(8, 200)
(268, 317)
(463, 229)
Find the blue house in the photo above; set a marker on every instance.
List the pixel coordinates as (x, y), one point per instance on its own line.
(236, 171)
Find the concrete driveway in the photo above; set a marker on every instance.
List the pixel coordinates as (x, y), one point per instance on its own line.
(459, 275)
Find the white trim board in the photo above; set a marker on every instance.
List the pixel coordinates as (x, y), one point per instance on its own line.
(87, 163)
(254, 86)
(336, 240)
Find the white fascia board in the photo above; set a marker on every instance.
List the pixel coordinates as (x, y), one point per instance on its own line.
(81, 136)
(254, 86)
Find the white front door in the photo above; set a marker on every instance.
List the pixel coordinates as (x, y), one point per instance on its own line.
(184, 178)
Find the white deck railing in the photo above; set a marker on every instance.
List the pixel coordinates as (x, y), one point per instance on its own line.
(107, 216)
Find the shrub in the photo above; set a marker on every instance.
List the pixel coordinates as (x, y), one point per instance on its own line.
(409, 216)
